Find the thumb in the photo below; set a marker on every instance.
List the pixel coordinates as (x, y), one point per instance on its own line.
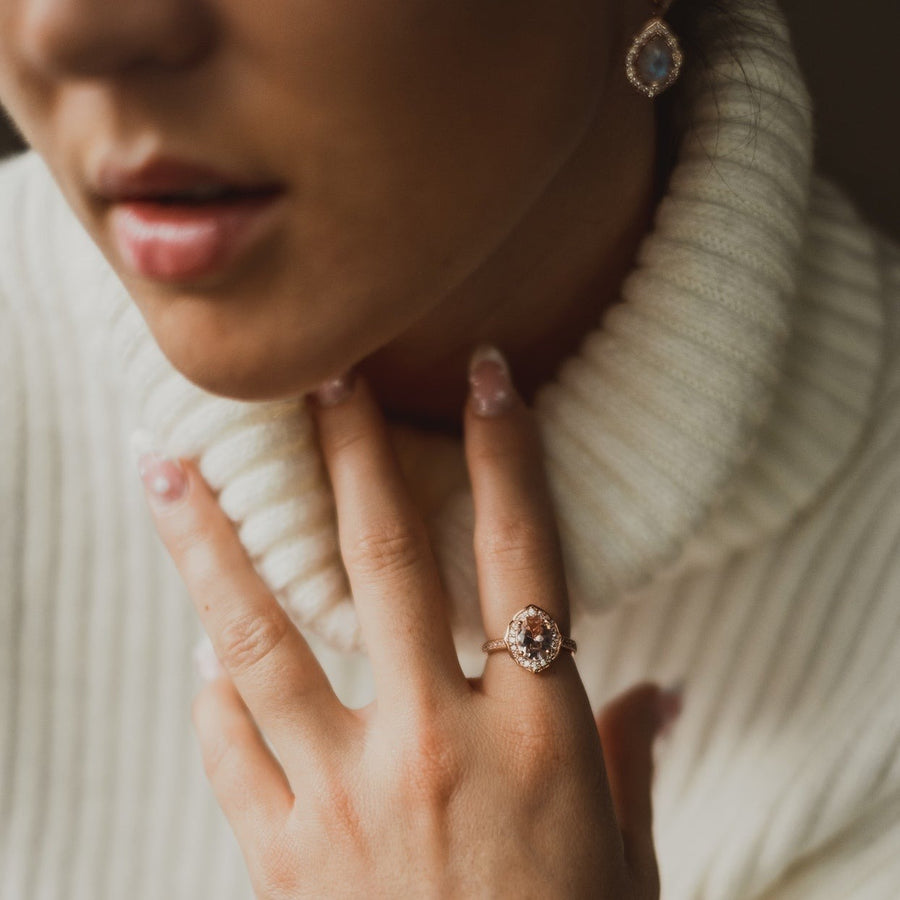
(628, 726)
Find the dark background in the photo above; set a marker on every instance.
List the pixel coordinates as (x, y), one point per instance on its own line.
(846, 50)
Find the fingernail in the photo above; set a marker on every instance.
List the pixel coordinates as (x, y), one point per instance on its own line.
(491, 387)
(206, 662)
(669, 704)
(163, 477)
(334, 390)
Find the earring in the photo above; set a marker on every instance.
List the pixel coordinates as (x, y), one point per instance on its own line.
(654, 58)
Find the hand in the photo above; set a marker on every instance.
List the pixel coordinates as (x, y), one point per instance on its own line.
(444, 786)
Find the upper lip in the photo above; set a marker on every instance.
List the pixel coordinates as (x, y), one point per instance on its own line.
(161, 176)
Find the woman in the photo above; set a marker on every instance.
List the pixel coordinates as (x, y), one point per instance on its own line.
(705, 330)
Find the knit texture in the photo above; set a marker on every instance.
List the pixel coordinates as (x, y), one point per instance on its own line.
(644, 427)
(724, 451)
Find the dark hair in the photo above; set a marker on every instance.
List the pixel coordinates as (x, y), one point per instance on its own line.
(699, 24)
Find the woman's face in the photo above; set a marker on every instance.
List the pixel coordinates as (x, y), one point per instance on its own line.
(407, 139)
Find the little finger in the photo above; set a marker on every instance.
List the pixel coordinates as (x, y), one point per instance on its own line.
(245, 777)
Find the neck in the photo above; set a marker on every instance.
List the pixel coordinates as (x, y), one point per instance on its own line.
(547, 285)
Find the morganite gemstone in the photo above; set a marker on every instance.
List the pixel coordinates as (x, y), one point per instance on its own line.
(535, 638)
(655, 61)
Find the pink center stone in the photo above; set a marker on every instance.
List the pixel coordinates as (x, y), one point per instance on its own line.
(536, 639)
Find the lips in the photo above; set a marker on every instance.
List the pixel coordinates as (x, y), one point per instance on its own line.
(174, 221)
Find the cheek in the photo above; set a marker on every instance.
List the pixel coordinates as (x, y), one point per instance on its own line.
(413, 134)
(414, 138)
(416, 133)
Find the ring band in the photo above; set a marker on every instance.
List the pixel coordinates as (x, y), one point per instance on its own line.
(532, 638)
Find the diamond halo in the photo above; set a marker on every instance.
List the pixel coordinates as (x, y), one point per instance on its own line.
(533, 638)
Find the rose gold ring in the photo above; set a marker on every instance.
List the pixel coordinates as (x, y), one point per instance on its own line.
(532, 638)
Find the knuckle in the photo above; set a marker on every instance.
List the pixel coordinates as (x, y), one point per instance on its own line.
(389, 547)
(276, 869)
(516, 542)
(248, 639)
(539, 741)
(344, 810)
(348, 438)
(192, 550)
(217, 755)
(200, 562)
(430, 768)
(218, 743)
(339, 809)
(532, 748)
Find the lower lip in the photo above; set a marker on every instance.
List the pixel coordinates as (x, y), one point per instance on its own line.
(190, 241)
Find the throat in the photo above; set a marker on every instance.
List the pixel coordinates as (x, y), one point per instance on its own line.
(421, 380)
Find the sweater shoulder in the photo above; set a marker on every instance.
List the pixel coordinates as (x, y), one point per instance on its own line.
(842, 241)
(56, 372)
(853, 268)
(43, 245)
(51, 271)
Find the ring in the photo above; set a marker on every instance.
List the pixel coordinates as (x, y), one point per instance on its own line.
(532, 638)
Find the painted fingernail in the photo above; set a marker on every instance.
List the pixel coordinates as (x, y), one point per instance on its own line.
(163, 477)
(490, 383)
(206, 662)
(669, 704)
(334, 390)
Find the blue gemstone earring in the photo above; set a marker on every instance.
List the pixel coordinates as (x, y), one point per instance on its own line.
(654, 58)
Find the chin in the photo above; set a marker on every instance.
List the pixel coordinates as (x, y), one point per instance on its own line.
(268, 350)
(240, 378)
(241, 366)
(222, 378)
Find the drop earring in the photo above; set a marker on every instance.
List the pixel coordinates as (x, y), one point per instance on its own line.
(654, 57)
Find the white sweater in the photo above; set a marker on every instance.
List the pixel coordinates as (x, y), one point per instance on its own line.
(724, 451)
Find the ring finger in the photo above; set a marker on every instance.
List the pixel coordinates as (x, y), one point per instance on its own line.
(517, 547)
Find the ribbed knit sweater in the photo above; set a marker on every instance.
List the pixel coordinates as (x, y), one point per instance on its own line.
(724, 452)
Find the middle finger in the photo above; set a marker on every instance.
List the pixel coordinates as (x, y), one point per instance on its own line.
(393, 574)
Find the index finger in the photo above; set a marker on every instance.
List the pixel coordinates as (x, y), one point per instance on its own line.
(271, 664)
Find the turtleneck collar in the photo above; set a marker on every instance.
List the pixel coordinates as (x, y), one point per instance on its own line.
(656, 432)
